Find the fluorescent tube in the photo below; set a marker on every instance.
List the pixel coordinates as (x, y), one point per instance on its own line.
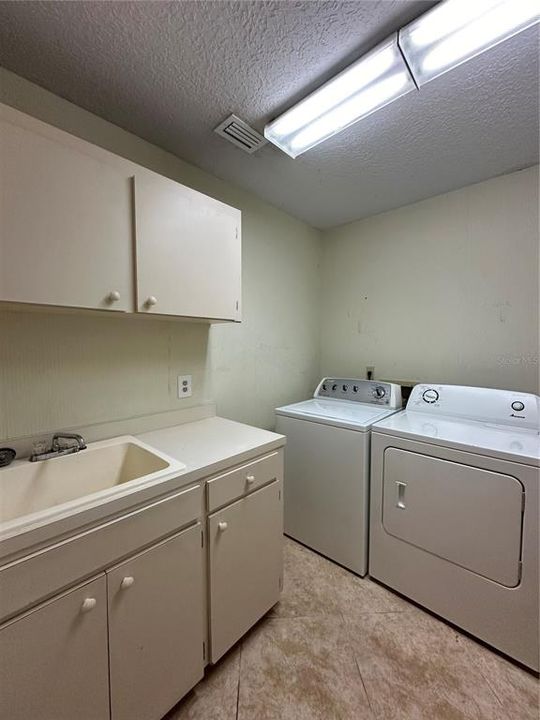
(375, 80)
(457, 30)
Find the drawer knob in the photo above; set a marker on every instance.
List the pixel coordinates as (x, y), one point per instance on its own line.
(113, 296)
(250, 479)
(127, 582)
(150, 301)
(88, 604)
(222, 526)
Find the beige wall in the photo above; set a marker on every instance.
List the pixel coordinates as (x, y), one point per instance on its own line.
(443, 290)
(71, 370)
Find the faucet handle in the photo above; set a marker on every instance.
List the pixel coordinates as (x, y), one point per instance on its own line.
(60, 438)
(39, 447)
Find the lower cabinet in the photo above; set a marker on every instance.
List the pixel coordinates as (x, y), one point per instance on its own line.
(53, 659)
(245, 550)
(155, 604)
(131, 638)
(128, 644)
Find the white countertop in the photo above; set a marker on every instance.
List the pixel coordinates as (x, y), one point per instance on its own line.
(208, 446)
(205, 447)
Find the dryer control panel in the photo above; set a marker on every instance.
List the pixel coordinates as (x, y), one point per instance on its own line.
(483, 404)
(363, 391)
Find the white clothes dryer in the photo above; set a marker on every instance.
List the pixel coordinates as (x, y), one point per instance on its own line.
(454, 510)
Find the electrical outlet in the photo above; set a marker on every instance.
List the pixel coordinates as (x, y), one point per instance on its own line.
(184, 386)
(370, 372)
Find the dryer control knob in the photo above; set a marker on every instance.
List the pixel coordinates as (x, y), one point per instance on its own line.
(518, 406)
(334, 388)
(355, 388)
(430, 395)
(379, 392)
(344, 388)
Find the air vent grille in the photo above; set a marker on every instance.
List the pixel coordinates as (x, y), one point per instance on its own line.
(240, 134)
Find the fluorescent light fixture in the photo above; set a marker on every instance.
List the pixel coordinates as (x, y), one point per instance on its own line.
(457, 30)
(375, 80)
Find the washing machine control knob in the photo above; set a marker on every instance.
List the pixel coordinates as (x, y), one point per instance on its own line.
(334, 388)
(324, 387)
(344, 388)
(518, 406)
(355, 388)
(430, 395)
(379, 392)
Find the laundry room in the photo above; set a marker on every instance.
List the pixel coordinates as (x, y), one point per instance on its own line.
(269, 341)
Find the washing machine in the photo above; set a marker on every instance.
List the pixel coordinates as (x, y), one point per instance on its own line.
(454, 510)
(326, 485)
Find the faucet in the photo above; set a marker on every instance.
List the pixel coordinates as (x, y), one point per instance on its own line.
(59, 448)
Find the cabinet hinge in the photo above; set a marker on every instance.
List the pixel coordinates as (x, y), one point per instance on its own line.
(237, 304)
(204, 650)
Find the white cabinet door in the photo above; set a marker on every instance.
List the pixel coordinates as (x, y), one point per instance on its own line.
(66, 225)
(246, 564)
(188, 251)
(53, 660)
(156, 627)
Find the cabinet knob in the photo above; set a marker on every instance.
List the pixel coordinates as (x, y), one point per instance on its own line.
(222, 526)
(113, 296)
(250, 479)
(127, 582)
(88, 604)
(150, 301)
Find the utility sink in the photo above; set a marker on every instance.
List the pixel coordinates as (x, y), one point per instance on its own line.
(104, 469)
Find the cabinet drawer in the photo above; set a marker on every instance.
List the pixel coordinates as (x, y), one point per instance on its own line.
(226, 488)
(27, 581)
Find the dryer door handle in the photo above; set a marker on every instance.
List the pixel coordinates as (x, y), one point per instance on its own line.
(401, 494)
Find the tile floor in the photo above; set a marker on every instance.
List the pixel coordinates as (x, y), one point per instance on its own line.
(338, 647)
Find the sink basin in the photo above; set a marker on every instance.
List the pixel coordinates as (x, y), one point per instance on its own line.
(102, 469)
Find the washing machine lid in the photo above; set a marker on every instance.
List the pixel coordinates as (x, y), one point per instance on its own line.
(340, 413)
(499, 423)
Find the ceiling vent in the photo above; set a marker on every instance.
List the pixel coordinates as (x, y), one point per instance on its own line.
(240, 134)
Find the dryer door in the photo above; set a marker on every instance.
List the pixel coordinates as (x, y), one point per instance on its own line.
(466, 515)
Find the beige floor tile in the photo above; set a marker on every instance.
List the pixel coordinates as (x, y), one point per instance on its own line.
(415, 667)
(300, 669)
(517, 690)
(215, 697)
(308, 585)
(314, 586)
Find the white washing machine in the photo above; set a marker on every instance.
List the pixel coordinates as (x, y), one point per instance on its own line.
(454, 510)
(326, 487)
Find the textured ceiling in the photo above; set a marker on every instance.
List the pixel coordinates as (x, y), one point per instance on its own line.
(171, 71)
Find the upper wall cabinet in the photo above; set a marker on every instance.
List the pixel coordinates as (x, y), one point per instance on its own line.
(83, 228)
(188, 251)
(65, 225)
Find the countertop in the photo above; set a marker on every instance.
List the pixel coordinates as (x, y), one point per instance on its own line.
(206, 447)
(211, 445)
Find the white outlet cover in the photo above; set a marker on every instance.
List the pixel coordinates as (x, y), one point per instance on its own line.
(184, 386)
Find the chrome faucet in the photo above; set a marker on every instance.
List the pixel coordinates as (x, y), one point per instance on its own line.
(59, 446)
